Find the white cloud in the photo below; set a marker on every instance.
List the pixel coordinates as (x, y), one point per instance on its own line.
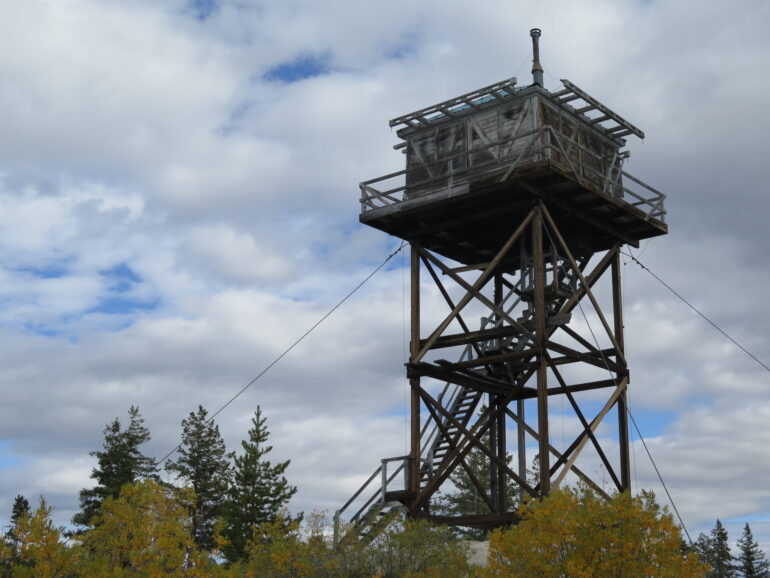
(136, 136)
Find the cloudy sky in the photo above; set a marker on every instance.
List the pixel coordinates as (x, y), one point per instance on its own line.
(179, 203)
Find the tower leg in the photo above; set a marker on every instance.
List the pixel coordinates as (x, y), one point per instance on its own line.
(521, 442)
(617, 302)
(540, 340)
(414, 382)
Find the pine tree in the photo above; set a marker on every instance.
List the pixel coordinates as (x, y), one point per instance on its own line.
(722, 560)
(704, 548)
(204, 464)
(19, 511)
(20, 508)
(119, 463)
(466, 498)
(257, 492)
(40, 547)
(751, 560)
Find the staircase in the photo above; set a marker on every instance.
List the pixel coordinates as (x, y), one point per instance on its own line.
(375, 499)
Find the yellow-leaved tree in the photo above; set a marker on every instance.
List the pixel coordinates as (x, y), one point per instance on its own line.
(575, 532)
(146, 532)
(38, 548)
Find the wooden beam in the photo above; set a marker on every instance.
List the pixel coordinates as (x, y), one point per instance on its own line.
(528, 429)
(482, 279)
(603, 226)
(473, 336)
(478, 429)
(414, 382)
(540, 341)
(617, 304)
(597, 358)
(590, 294)
(478, 521)
(591, 280)
(490, 359)
(471, 475)
(586, 428)
(465, 379)
(475, 440)
(594, 424)
(451, 304)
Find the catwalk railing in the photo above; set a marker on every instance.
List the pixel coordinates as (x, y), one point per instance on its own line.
(602, 175)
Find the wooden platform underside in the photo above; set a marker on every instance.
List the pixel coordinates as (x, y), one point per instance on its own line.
(469, 225)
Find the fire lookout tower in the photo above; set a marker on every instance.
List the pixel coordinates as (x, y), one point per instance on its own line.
(515, 203)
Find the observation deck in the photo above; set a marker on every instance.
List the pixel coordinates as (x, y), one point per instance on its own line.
(476, 164)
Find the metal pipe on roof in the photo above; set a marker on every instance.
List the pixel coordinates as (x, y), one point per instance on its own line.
(537, 70)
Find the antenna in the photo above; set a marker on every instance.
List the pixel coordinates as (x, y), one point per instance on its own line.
(537, 70)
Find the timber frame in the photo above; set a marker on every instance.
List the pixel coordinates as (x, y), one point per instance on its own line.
(515, 204)
(512, 360)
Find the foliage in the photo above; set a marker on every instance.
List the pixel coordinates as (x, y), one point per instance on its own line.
(20, 510)
(714, 551)
(722, 561)
(38, 549)
(751, 560)
(416, 548)
(145, 531)
(119, 463)
(203, 463)
(575, 532)
(276, 550)
(284, 548)
(466, 498)
(257, 492)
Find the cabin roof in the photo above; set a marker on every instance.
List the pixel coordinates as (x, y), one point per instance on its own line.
(575, 100)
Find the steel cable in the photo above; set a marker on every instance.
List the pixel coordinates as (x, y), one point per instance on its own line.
(297, 342)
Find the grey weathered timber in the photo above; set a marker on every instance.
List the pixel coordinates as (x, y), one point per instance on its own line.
(515, 202)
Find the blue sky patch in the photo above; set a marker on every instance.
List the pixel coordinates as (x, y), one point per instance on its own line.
(5, 460)
(123, 278)
(203, 9)
(45, 272)
(651, 422)
(405, 48)
(298, 69)
(116, 305)
(42, 329)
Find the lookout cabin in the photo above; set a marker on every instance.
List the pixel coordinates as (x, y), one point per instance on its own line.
(476, 162)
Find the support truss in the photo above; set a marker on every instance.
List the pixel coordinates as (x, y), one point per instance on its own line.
(537, 305)
(523, 346)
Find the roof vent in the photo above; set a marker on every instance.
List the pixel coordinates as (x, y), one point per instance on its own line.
(537, 70)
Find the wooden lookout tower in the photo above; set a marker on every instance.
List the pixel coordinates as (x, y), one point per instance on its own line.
(515, 204)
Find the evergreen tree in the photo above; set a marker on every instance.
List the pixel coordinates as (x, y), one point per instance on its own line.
(40, 549)
(119, 463)
(257, 492)
(704, 549)
(20, 510)
(721, 559)
(204, 464)
(751, 560)
(466, 498)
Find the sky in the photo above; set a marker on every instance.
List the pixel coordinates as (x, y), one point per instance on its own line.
(179, 204)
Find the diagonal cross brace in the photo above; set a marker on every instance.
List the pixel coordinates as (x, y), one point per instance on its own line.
(583, 281)
(473, 439)
(583, 437)
(476, 286)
